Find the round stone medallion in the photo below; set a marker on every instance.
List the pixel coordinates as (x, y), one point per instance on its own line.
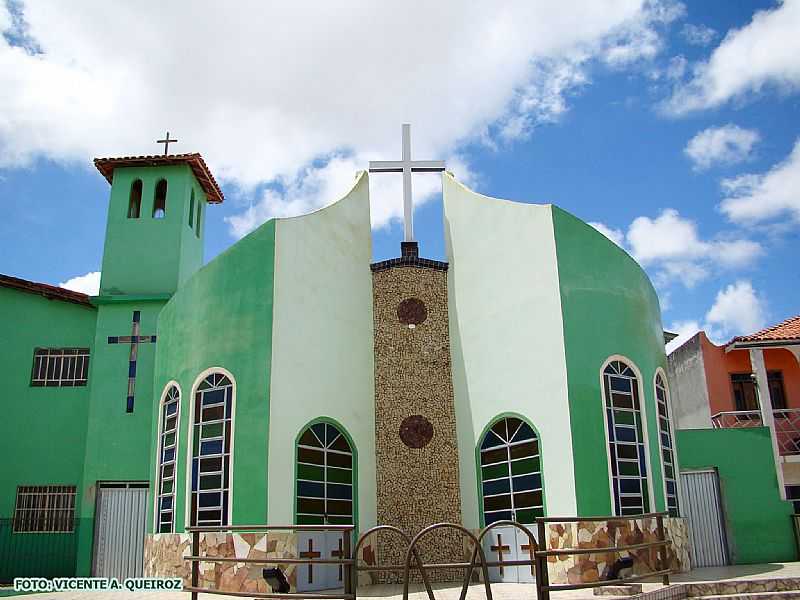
(416, 431)
(412, 311)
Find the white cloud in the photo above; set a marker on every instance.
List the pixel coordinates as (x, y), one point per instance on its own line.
(676, 67)
(270, 89)
(728, 144)
(698, 35)
(754, 198)
(615, 235)
(737, 310)
(763, 53)
(86, 284)
(640, 39)
(672, 246)
(685, 330)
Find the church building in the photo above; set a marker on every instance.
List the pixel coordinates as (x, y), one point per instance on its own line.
(293, 380)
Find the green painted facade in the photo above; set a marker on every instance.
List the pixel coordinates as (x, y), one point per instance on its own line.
(609, 308)
(43, 432)
(84, 435)
(758, 523)
(216, 321)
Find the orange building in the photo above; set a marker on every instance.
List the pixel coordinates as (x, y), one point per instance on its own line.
(752, 381)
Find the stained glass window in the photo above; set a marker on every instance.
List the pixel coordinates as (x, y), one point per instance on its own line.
(324, 477)
(667, 447)
(167, 450)
(626, 440)
(211, 451)
(511, 472)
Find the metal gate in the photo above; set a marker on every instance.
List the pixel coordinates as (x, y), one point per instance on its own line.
(509, 544)
(119, 527)
(702, 506)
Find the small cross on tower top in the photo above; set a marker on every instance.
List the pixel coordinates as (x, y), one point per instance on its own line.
(406, 166)
(166, 141)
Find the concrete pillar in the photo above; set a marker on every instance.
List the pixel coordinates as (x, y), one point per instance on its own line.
(767, 416)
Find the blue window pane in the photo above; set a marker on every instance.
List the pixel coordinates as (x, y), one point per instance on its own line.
(319, 429)
(618, 384)
(498, 516)
(194, 474)
(527, 482)
(630, 486)
(665, 441)
(212, 447)
(642, 462)
(166, 503)
(213, 397)
(670, 487)
(626, 434)
(310, 490)
(490, 440)
(172, 407)
(499, 486)
(210, 499)
(340, 492)
(169, 454)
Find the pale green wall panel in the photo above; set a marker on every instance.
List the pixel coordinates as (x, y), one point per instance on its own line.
(506, 334)
(322, 341)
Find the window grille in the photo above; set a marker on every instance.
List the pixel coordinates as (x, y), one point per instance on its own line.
(45, 509)
(60, 367)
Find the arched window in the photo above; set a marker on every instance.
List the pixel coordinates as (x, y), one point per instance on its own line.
(191, 209)
(511, 472)
(667, 444)
(324, 477)
(626, 440)
(211, 451)
(135, 200)
(167, 450)
(160, 200)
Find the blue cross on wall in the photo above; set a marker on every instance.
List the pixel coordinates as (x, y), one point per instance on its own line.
(134, 339)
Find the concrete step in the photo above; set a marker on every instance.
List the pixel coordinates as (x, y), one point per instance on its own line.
(737, 588)
(787, 595)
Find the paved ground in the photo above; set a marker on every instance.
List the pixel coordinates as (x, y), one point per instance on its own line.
(500, 591)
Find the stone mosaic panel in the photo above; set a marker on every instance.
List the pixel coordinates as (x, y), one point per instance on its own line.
(599, 534)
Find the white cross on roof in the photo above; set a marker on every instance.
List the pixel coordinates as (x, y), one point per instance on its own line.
(406, 166)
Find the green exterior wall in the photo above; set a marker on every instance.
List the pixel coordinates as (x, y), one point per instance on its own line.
(147, 255)
(43, 432)
(222, 317)
(758, 522)
(609, 307)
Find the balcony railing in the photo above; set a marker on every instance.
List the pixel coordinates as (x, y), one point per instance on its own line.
(787, 425)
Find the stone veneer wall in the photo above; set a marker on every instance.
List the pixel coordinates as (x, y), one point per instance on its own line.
(164, 557)
(416, 486)
(590, 534)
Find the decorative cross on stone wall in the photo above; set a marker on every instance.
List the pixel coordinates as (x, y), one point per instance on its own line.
(500, 549)
(310, 554)
(166, 141)
(134, 339)
(339, 554)
(529, 548)
(406, 166)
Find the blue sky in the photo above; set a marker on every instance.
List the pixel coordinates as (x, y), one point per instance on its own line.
(671, 125)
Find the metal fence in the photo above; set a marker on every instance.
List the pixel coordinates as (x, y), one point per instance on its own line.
(37, 554)
(348, 560)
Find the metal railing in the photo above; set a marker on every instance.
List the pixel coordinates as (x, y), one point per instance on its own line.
(37, 553)
(543, 585)
(787, 425)
(537, 557)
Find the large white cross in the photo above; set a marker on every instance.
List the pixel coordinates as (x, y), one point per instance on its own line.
(406, 166)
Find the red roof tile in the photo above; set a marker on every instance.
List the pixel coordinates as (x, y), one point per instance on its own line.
(50, 292)
(213, 192)
(786, 330)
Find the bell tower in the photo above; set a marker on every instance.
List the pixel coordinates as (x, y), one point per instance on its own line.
(156, 214)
